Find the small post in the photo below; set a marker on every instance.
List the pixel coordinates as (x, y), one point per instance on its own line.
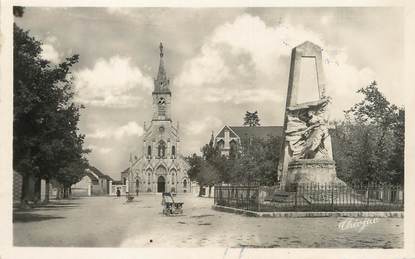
(242, 199)
(258, 199)
(295, 198)
(249, 197)
(229, 196)
(367, 195)
(214, 196)
(237, 196)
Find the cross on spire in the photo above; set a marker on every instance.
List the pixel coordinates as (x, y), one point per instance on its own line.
(161, 49)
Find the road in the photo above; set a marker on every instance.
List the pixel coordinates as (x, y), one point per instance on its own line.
(112, 222)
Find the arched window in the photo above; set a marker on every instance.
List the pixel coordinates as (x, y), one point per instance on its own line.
(184, 183)
(173, 151)
(233, 152)
(149, 151)
(125, 181)
(221, 144)
(137, 183)
(162, 149)
(148, 178)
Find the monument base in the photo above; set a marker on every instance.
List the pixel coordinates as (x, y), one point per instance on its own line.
(312, 171)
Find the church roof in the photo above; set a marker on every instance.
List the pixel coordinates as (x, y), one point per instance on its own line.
(125, 171)
(258, 131)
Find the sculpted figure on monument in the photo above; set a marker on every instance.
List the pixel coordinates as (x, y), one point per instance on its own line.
(307, 129)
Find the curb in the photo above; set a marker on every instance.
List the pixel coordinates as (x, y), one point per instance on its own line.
(311, 214)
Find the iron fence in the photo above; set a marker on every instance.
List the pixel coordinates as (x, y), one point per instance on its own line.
(311, 197)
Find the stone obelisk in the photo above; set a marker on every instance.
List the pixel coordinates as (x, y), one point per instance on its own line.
(306, 155)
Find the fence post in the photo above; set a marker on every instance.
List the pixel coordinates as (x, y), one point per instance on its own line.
(237, 197)
(229, 196)
(214, 196)
(367, 195)
(242, 199)
(295, 198)
(248, 195)
(258, 199)
(332, 197)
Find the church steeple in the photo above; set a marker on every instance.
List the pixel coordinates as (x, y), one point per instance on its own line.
(161, 93)
(161, 83)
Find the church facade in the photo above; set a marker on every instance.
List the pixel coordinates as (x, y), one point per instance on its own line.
(160, 167)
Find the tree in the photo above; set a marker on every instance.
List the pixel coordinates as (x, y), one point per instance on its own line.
(251, 119)
(46, 136)
(18, 11)
(195, 163)
(203, 172)
(258, 161)
(368, 146)
(69, 175)
(208, 175)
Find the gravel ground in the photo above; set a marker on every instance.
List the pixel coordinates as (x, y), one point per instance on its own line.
(111, 222)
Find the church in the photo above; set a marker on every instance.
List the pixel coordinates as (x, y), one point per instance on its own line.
(160, 167)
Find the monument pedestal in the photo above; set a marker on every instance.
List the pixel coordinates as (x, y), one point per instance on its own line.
(312, 171)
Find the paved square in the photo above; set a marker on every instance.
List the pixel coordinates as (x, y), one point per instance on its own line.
(112, 222)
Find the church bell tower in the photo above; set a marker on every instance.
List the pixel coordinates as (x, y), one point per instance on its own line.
(161, 93)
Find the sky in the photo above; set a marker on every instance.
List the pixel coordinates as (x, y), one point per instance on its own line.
(221, 63)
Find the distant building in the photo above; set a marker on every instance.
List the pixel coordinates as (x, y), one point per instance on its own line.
(118, 186)
(230, 137)
(94, 183)
(35, 188)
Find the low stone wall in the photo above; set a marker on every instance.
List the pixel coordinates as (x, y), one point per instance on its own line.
(308, 214)
(17, 186)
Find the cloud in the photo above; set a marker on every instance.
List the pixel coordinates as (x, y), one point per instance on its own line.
(240, 96)
(247, 61)
(207, 68)
(326, 19)
(50, 53)
(240, 62)
(343, 80)
(127, 130)
(197, 127)
(111, 83)
(118, 11)
(102, 150)
(265, 44)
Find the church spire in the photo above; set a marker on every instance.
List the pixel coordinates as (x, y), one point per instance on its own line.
(161, 83)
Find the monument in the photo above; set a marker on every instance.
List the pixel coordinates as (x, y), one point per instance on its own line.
(306, 156)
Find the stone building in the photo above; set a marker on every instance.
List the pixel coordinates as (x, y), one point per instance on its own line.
(94, 183)
(160, 167)
(229, 137)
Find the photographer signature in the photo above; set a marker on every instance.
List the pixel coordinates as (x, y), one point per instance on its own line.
(359, 224)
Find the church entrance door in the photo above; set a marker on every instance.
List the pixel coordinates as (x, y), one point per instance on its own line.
(161, 184)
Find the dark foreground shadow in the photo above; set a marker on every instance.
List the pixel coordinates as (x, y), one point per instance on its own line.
(26, 217)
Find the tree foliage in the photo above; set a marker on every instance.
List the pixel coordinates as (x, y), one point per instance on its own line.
(18, 11)
(254, 162)
(46, 139)
(251, 119)
(369, 145)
